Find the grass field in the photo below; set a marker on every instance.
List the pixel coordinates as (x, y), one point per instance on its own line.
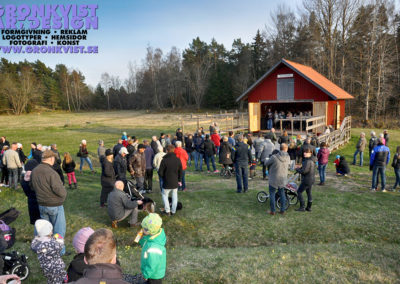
(351, 236)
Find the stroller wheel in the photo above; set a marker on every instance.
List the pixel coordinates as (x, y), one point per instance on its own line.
(262, 196)
(21, 270)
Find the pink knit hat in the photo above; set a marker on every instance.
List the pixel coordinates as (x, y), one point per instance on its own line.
(80, 239)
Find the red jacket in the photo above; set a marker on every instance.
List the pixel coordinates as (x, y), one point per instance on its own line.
(182, 155)
(216, 139)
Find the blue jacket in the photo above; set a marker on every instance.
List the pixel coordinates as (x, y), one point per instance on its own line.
(380, 156)
(198, 142)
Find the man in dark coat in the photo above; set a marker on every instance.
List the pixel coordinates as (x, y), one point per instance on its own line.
(271, 135)
(117, 148)
(198, 142)
(373, 141)
(107, 177)
(189, 147)
(33, 206)
(307, 172)
(148, 178)
(241, 156)
(171, 173)
(225, 153)
(137, 166)
(37, 153)
(120, 165)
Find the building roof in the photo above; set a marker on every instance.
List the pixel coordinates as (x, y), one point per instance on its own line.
(320, 81)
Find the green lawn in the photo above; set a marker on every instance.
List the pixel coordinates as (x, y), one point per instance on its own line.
(351, 236)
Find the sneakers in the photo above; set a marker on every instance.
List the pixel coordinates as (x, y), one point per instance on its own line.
(373, 189)
(216, 171)
(166, 213)
(384, 190)
(271, 213)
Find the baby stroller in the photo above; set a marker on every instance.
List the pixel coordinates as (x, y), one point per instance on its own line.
(290, 193)
(148, 204)
(11, 262)
(227, 171)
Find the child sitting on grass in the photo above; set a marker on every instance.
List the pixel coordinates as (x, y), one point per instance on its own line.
(154, 255)
(68, 166)
(343, 167)
(48, 250)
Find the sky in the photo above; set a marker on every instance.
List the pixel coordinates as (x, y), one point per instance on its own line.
(127, 27)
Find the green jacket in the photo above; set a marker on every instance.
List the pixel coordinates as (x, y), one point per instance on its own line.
(154, 255)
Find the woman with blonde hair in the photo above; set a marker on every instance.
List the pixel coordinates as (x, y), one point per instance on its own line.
(68, 166)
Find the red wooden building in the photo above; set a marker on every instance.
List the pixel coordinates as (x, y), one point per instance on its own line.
(290, 86)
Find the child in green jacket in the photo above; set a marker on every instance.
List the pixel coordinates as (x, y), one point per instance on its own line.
(154, 255)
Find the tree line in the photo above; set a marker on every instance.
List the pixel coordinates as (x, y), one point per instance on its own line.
(354, 44)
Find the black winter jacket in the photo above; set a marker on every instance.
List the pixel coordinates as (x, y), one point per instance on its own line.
(37, 155)
(68, 168)
(171, 171)
(241, 154)
(209, 148)
(107, 174)
(189, 147)
(225, 154)
(307, 171)
(343, 166)
(120, 167)
(284, 139)
(396, 161)
(102, 273)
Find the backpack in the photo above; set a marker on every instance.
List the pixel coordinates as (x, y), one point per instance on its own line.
(7, 236)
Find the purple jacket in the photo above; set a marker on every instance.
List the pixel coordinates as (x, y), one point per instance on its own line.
(323, 156)
(149, 153)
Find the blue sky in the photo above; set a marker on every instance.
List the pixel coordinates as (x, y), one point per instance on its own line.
(127, 27)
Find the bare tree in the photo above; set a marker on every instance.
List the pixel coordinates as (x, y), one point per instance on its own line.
(20, 90)
(106, 83)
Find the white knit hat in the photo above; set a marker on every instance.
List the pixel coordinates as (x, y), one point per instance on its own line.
(84, 141)
(19, 145)
(43, 227)
(123, 151)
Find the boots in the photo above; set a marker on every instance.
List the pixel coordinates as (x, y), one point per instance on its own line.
(309, 203)
(301, 208)
(75, 186)
(70, 186)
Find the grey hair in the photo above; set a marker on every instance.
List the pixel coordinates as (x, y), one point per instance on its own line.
(373, 133)
(240, 138)
(381, 135)
(178, 143)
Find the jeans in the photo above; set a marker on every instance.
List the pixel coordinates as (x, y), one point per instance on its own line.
(361, 157)
(71, 178)
(139, 183)
(322, 172)
(165, 194)
(300, 191)
(397, 173)
(208, 158)
(272, 191)
(292, 164)
(191, 158)
(198, 158)
(183, 180)
(242, 173)
(87, 159)
(148, 180)
(13, 178)
(269, 124)
(55, 215)
(378, 170)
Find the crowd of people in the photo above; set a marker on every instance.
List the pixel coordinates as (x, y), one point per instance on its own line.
(42, 179)
(272, 119)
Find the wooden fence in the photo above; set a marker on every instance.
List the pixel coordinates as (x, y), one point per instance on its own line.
(338, 137)
(227, 121)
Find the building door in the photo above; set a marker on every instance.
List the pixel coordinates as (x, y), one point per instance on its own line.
(254, 117)
(285, 89)
(320, 109)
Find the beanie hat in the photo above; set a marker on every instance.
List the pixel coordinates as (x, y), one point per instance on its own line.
(123, 150)
(43, 227)
(19, 145)
(109, 152)
(84, 142)
(152, 223)
(80, 239)
(124, 133)
(337, 156)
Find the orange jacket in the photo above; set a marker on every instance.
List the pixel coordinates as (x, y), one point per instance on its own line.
(182, 155)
